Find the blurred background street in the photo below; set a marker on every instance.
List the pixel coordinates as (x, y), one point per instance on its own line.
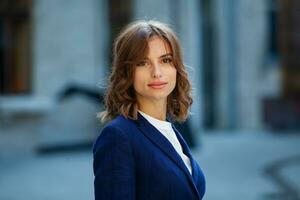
(243, 62)
(241, 165)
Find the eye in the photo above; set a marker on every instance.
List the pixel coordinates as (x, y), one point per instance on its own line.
(167, 60)
(142, 63)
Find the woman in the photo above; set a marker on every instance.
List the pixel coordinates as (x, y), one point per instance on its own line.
(139, 153)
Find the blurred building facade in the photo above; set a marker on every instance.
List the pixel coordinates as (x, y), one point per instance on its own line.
(231, 47)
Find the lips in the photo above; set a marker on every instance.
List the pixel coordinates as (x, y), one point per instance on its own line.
(157, 83)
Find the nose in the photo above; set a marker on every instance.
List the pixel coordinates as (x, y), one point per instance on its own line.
(156, 72)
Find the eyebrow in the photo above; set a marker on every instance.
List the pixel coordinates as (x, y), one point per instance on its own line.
(166, 55)
(162, 56)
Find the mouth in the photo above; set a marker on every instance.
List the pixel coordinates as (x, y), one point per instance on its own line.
(157, 85)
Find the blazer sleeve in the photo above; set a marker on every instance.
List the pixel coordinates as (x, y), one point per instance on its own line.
(113, 166)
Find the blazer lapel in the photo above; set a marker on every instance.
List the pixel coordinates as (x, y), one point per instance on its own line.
(163, 143)
(186, 151)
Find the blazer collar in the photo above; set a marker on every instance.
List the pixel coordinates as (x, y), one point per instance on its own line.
(186, 151)
(163, 143)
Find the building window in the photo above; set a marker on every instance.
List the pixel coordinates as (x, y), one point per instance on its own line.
(15, 47)
(120, 14)
(273, 29)
(289, 43)
(282, 113)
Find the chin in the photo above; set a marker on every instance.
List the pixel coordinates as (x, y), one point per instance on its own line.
(159, 97)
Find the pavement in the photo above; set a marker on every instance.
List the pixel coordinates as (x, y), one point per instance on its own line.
(251, 165)
(237, 165)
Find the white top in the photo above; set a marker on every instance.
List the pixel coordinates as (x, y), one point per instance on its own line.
(166, 129)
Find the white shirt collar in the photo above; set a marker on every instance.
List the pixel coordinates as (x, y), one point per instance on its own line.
(156, 122)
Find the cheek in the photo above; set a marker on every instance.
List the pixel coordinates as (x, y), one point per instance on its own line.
(138, 80)
(135, 83)
(173, 77)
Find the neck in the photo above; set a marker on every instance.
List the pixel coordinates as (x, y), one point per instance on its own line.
(155, 109)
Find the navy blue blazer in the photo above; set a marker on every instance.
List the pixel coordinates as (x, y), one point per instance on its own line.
(133, 160)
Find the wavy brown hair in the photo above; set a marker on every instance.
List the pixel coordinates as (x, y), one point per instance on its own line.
(130, 47)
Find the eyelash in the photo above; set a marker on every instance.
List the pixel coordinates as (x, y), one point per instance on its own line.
(164, 61)
(142, 63)
(167, 60)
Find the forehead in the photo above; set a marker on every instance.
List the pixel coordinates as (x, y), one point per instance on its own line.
(158, 45)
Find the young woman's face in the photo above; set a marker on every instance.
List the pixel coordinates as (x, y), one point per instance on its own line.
(155, 76)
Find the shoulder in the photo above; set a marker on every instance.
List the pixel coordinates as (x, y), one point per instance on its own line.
(115, 131)
(120, 123)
